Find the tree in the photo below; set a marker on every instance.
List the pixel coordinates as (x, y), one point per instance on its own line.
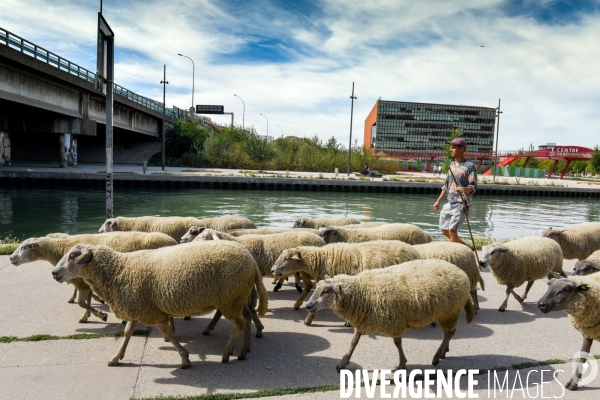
(595, 162)
(456, 133)
(259, 150)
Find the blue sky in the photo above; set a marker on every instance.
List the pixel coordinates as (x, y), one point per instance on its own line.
(295, 61)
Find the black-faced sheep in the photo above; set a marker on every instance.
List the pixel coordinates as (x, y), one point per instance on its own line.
(151, 286)
(391, 300)
(577, 241)
(589, 266)
(316, 223)
(406, 233)
(522, 260)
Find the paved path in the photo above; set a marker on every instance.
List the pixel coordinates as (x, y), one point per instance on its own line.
(290, 355)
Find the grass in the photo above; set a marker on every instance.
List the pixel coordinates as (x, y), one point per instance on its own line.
(8, 245)
(77, 336)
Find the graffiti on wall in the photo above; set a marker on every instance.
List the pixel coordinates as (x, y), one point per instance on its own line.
(5, 149)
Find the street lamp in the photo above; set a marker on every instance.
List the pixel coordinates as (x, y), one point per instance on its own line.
(498, 112)
(244, 113)
(193, 79)
(282, 132)
(267, 124)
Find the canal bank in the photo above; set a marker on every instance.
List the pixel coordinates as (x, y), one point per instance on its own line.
(127, 176)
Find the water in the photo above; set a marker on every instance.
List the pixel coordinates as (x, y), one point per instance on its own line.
(34, 212)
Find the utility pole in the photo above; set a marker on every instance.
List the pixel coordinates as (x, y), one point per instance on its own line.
(164, 83)
(351, 113)
(498, 112)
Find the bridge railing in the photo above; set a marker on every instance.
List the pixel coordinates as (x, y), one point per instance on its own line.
(39, 53)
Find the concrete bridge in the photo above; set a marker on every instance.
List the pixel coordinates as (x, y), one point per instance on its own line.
(51, 112)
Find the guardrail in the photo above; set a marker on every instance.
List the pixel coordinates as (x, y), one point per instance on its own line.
(39, 53)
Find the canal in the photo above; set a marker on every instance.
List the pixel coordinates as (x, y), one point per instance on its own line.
(27, 212)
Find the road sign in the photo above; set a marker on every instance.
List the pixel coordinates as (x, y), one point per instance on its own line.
(192, 110)
(205, 109)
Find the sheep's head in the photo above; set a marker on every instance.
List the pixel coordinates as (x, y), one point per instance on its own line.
(585, 267)
(110, 225)
(191, 234)
(491, 253)
(303, 222)
(561, 294)
(289, 261)
(208, 234)
(26, 252)
(69, 266)
(552, 233)
(323, 295)
(330, 234)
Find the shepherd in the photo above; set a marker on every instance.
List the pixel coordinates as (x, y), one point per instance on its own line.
(460, 185)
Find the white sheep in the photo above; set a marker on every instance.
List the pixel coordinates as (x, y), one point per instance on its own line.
(590, 265)
(257, 231)
(579, 296)
(363, 225)
(227, 222)
(341, 258)
(577, 241)
(459, 255)
(151, 286)
(522, 260)
(172, 226)
(52, 250)
(393, 299)
(407, 233)
(316, 223)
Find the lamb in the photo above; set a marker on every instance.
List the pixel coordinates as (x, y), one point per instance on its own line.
(227, 222)
(459, 255)
(590, 265)
(391, 300)
(579, 296)
(172, 226)
(316, 223)
(522, 260)
(407, 233)
(52, 250)
(151, 286)
(341, 258)
(577, 241)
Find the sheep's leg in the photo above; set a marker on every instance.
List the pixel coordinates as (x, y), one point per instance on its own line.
(257, 323)
(98, 299)
(529, 285)
(398, 343)
(238, 327)
(445, 346)
(509, 290)
(307, 287)
(246, 345)
(72, 299)
(297, 282)
(129, 329)
(171, 322)
(84, 300)
(309, 318)
(213, 323)
(279, 283)
(346, 359)
(170, 335)
(475, 300)
(572, 383)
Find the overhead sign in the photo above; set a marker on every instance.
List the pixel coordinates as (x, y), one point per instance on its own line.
(204, 109)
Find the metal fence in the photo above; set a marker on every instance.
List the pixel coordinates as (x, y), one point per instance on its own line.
(39, 53)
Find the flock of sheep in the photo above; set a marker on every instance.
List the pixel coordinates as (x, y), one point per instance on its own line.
(379, 277)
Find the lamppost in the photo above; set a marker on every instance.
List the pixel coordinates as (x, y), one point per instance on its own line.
(282, 132)
(352, 97)
(267, 124)
(498, 112)
(243, 113)
(193, 74)
(164, 82)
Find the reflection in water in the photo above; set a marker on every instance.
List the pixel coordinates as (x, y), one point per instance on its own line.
(34, 212)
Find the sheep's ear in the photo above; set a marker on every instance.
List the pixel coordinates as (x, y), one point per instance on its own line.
(201, 229)
(582, 288)
(555, 275)
(32, 245)
(501, 249)
(86, 256)
(215, 236)
(337, 288)
(302, 223)
(595, 266)
(297, 256)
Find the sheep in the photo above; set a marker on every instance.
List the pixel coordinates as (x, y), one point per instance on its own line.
(341, 258)
(258, 231)
(151, 286)
(316, 223)
(407, 233)
(390, 300)
(579, 296)
(365, 225)
(459, 255)
(227, 222)
(590, 265)
(522, 260)
(577, 241)
(172, 226)
(52, 250)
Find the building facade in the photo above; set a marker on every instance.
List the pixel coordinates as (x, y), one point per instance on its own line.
(395, 127)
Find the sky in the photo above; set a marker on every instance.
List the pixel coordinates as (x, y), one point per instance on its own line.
(295, 61)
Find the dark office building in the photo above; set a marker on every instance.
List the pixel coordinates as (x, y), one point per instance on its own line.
(397, 127)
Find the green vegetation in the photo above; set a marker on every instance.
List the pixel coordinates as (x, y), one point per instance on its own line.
(8, 245)
(595, 162)
(77, 336)
(191, 143)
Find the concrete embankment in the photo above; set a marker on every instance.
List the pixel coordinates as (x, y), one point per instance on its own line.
(77, 179)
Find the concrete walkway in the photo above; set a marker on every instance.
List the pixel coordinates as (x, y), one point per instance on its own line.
(290, 355)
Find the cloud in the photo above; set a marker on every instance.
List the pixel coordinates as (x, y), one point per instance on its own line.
(295, 61)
